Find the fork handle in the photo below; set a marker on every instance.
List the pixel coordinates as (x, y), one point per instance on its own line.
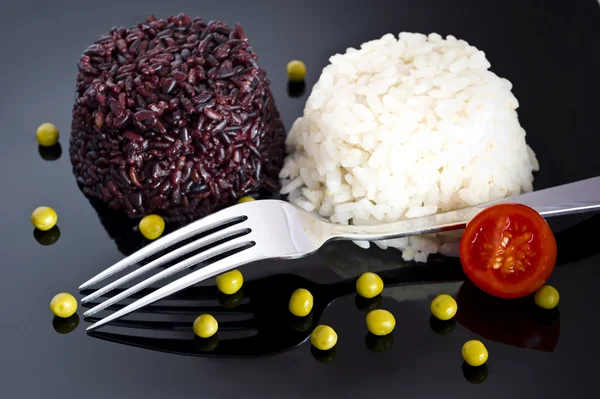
(580, 196)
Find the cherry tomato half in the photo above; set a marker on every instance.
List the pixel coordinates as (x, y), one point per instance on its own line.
(508, 250)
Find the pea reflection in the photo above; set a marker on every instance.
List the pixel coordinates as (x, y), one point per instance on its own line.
(475, 375)
(296, 89)
(301, 324)
(547, 318)
(231, 301)
(50, 153)
(47, 237)
(324, 356)
(65, 326)
(442, 327)
(367, 304)
(207, 344)
(377, 343)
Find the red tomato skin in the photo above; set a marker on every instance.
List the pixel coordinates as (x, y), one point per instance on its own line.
(487, 279)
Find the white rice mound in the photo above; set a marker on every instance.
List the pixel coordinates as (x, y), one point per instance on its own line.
(407, 128)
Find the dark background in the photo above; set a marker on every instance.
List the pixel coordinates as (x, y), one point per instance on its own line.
(549, 50)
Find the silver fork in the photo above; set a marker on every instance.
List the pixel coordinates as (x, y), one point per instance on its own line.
(272, 229)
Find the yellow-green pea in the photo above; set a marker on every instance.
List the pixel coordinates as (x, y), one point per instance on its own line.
(301, 302)
(152, 226)
(380, 322)
(245, 199)
(444, 307)
(63, 305)
(44, 218)
(47, 135)
(369, 285)
(323, 337)
(474, 353)
(205, 326)
(296, 71)
(230, 282)
(547, 297)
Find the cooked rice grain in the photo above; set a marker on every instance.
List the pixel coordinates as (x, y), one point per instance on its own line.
(407, 128)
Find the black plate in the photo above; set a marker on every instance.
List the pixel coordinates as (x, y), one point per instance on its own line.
(547, 49)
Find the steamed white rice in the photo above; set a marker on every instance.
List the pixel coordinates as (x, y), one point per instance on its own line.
(407, 128)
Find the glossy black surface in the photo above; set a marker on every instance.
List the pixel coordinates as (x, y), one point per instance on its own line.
(547, 49)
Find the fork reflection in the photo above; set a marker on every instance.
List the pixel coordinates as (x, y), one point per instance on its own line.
(257, 322)
(251, 325)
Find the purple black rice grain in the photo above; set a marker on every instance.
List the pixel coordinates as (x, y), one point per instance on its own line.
(174, 117)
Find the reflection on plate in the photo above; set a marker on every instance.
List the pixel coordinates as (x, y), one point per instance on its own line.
(256, 324)
(207, 344)
(231, 301)
(327, 356)
(475, 375)
(302, 324)
(65, 326)
(379, 343)
(442, 327)
(50, 153)
(365, 305)
(47, 237)
(296, 89)
(513, 322)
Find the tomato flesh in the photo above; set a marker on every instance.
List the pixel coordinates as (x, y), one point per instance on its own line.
(508, 250)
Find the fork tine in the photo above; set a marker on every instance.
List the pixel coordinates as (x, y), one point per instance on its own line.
(244, 308)
(234, 244)
(218, 267)
(231, 245)
(192, 294)
(207, 223)
(231, 231)
(231, 325)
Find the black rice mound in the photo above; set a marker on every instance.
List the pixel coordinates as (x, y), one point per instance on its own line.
(174, 117)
